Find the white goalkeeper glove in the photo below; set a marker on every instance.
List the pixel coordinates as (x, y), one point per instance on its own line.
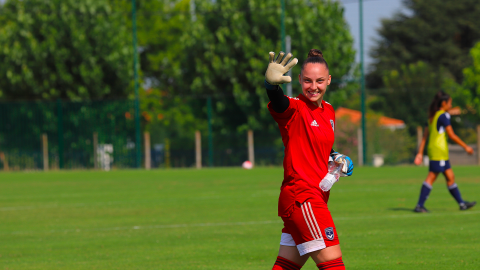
(347, 169)
(276, 69)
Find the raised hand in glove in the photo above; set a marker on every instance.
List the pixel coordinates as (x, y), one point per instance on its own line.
(277, 68)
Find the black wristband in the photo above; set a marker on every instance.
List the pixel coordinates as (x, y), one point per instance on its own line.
(278, 100)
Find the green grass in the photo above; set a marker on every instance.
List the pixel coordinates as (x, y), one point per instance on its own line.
(226, 219)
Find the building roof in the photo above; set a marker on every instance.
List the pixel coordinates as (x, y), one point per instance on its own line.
(355, 117)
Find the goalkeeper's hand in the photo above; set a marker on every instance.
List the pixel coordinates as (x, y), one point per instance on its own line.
(347, 168)
(276, 68)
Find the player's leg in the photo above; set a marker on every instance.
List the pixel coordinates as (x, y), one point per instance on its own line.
(328, 258)
(425, 192)
(435, 167)
(289, 259)
(454, 191)
(288, 256)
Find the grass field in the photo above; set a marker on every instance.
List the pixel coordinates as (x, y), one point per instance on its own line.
(226, 219)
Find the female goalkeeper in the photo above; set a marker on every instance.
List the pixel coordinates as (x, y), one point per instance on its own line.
(307, 125)
(438, 128)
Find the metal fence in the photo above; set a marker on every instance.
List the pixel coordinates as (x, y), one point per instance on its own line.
(101, 134)
(71, 130)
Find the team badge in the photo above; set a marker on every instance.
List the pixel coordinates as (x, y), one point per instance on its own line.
(329, 233)
(333, 124)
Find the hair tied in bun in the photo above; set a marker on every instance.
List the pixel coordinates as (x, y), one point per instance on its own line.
(315, 57)
(315, 53)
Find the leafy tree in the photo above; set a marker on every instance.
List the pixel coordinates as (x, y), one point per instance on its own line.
(467, 94)
(169, 117)
(227, 52)
(438, 32)
(219, 49)
(160, 24)
(408, 92)
(66, 49)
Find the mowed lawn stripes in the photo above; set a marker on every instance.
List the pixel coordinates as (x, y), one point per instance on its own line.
(225, 219)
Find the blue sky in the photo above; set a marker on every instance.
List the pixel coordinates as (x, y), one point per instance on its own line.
(373, 12)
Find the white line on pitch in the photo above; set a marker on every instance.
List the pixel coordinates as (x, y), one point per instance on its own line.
(153, 227)
(172, 226)
(158, 201)
(411, 215)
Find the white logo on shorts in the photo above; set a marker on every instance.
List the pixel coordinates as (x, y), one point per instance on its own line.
(329, 233)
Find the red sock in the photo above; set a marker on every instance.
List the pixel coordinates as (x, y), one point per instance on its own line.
(284, 264)
(336, 264)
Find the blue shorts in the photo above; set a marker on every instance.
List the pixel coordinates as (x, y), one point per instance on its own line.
(437, 166)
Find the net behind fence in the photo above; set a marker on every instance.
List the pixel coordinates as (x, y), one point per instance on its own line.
(70, 129)
(101, 134)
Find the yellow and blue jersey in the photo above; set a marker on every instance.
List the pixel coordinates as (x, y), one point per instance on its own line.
(437, 140)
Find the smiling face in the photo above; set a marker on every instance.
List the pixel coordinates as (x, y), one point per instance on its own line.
(314, 80)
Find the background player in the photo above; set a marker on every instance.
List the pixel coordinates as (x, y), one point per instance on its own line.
(438, 129)
(307, 126)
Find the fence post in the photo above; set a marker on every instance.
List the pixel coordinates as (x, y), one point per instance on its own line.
(167, 153)
(148, 157)
(60, 133)
(45, 151)
(251, 153)
(478, 145)
(198, 149)
(95, 149)
(360, 146)
(210, 136)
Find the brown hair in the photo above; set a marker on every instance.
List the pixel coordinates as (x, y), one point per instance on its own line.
(439, 97)
(315, 56)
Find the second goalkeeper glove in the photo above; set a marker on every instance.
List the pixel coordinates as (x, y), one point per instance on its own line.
(347, 168)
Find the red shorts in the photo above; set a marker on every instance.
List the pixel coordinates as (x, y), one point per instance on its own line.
(310, 227)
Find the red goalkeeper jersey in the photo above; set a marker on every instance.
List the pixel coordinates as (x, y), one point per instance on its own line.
(308, 135)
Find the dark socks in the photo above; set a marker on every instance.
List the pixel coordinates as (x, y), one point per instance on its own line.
(284, 264)
(455, 193)
(424, 192)
(336, 264)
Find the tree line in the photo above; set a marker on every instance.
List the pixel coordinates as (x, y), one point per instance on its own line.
(435, 47)
(191, 50)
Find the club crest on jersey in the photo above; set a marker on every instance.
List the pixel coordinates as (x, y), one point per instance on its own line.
(333, 124)
(329, 233)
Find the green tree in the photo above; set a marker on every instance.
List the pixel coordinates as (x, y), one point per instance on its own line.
(169, 117)
(227, 48)
(467, 94)
(66, 49)
(160, 24)
(408, 92)
(437, 32)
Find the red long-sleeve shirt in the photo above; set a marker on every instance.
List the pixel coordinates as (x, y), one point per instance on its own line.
(308, 135)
